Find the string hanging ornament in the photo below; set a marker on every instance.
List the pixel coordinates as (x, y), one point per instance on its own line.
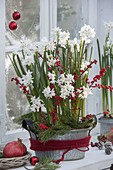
(13, 25)
(16, 16)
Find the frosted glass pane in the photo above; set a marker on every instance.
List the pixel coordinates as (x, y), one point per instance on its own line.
(72, 15)
(16, 101)
(28, 24)
(105, 15)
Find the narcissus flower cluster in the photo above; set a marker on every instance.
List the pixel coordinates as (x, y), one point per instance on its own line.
(106, 60)
(54, 75)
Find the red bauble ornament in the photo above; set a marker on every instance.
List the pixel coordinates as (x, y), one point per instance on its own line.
(12, 25)
(34, 160)
(16, 15)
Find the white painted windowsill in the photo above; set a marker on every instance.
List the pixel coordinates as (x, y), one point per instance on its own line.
(95, 159)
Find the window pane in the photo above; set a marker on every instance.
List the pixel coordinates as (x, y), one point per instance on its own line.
(71, 15)
(28, 24)
(16, 101)
(105, 13)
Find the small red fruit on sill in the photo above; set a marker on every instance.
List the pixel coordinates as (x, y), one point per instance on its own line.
(34, 160)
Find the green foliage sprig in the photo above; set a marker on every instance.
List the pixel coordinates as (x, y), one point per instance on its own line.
(46, 164)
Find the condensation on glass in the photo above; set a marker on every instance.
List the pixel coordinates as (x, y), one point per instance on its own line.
(105, 15)
(29, 26)
(72, 15)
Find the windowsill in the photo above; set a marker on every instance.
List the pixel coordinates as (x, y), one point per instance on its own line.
(95, 159)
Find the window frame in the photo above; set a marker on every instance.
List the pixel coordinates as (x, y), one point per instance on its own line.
(2, 70)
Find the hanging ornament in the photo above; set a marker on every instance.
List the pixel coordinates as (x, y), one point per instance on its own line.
(12, 25)
(34, 160)
(16, 15)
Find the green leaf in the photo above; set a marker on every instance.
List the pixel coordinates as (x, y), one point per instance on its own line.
(46, 164)
(15, 65)
(20, 64)
(99, 53)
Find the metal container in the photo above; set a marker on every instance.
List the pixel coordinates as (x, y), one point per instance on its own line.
(72, 154)
(105, 125)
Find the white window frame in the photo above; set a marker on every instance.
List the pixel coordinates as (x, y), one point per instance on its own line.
(2, 69)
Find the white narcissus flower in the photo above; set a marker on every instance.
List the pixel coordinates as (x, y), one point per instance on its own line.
(34, 108)
(24, 43)
(48, 92)
(64, 35)
(87, 33)
(61, 79)
(54, 33)
(34, 46)
(27, 79)
(72, 44)
(33, 99)
(29, 58)
(86, 91)
(69, 79)
(70, 90)
(50, 60)
(109, 43)
(63, 38)
(50, 46)
(63, 42)
(84, 64)
(108, 25)
(75, 41)
(66, 91)
(51, 77)
(36, 104)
